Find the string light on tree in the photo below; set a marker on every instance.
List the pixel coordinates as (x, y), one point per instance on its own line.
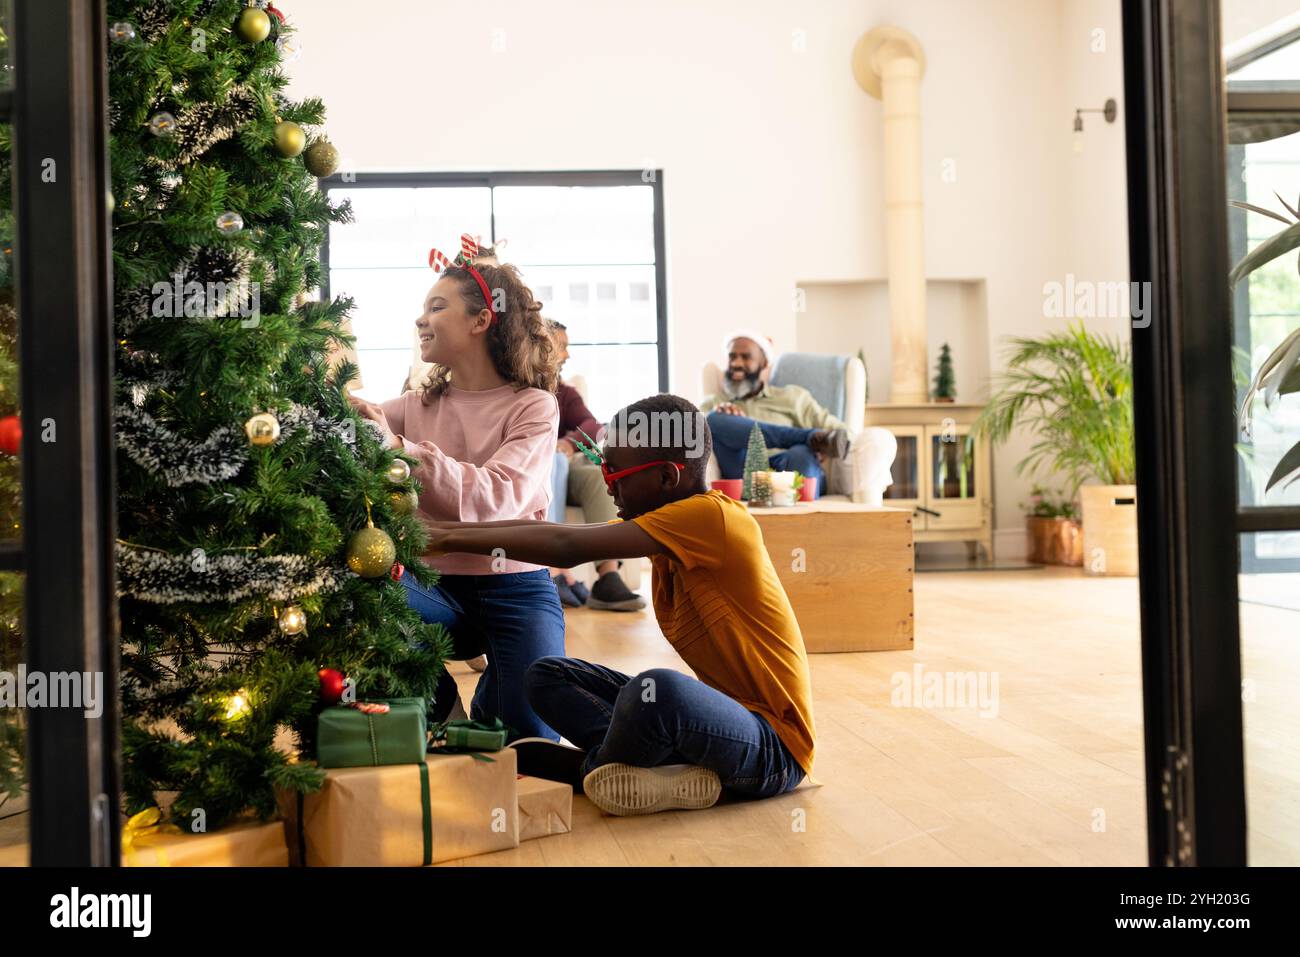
(122, 32)
(162, 124)
(229, 223)
(237, 705)
(293, 620)
(290, 48)
(262, 429)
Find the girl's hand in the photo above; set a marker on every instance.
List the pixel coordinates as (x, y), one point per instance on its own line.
(375, 413)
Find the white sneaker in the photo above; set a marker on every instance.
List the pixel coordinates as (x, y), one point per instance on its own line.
(624, 789)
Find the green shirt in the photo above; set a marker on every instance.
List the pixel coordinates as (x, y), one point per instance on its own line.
(791, 405)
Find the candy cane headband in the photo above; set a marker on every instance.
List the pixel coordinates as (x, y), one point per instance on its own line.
(469, 248)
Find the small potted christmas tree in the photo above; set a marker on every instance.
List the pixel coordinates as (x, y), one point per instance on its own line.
(945, 382)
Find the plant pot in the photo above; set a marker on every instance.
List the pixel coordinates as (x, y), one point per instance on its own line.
(1109, 529)
(1055, 541)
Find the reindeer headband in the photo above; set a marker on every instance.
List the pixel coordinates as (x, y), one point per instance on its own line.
(469, 248)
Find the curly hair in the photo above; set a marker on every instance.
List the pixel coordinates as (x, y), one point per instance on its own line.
(519, 342)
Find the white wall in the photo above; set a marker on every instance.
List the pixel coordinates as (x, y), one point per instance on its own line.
(771, 152)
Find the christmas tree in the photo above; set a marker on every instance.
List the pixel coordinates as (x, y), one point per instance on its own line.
(945, 383)
(13, 776)
(755, 460)
(247, 486)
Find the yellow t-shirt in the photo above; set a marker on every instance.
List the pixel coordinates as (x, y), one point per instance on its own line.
(723, 609)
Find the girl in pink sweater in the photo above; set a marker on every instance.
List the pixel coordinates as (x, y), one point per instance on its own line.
(483, 430)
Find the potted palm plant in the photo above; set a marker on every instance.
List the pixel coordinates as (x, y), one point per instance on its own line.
(1074, 391)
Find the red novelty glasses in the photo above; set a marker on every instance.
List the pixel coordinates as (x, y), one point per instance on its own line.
(612, 477)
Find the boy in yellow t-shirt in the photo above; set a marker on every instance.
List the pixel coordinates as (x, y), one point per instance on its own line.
(661, 739)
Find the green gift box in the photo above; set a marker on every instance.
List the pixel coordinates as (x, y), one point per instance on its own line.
(349, 738)
(466, 735)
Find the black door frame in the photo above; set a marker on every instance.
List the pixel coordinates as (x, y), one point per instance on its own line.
(63, 279)
(1183, 405)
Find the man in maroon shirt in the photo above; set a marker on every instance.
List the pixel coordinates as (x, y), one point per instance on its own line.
(577, 481)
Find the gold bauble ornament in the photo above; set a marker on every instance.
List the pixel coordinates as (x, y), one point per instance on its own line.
(253, 26)
(371, 552)
(403, 503)
(293, 620)
(399, 470)
(263, 429)
(289, 138)
(321, 159)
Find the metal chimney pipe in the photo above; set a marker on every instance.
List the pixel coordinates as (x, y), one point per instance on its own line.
(888, 63)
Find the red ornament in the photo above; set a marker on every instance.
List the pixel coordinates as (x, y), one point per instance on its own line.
(11, 435)
(275, 13)
(396, 572)
(331, 685)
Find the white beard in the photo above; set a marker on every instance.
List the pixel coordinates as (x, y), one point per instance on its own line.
(745, 388)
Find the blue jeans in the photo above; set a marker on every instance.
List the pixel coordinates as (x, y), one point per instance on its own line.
(514, 619)
(731, 443)
(605, 712)
(559, 489)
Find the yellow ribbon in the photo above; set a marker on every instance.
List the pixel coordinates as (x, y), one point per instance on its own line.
(143, 830)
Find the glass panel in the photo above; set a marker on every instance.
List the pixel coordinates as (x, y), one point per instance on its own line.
(597, 304)
(395, 227)
(575, 225)
(6, 58)
(616, 375)
(952, 458)
(1270, 670)
(905, 470)
(13, 725)
(1266, 311)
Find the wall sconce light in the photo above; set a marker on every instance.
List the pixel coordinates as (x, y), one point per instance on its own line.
(1109, 111)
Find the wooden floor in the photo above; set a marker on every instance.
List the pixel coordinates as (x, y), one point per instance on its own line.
(1054, 777)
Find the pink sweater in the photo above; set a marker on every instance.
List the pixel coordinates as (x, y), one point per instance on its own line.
(483, 457)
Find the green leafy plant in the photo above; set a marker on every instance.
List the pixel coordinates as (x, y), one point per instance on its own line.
(1049, 503)
(1074, 390)
(1279, 374)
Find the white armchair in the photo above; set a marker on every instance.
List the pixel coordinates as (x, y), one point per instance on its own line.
(838, 383)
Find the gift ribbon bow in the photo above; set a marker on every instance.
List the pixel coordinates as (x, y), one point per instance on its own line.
(469, 248)
(144, 829)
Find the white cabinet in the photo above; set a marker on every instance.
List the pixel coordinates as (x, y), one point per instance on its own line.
(941, 471)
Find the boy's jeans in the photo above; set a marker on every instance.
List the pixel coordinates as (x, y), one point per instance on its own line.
(660, 717)
(512, 618)
(731, 443)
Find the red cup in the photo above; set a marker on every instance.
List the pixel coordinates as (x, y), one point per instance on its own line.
(808, 490)
(731, 487)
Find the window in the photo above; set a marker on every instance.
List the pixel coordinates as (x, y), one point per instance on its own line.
(589, 245)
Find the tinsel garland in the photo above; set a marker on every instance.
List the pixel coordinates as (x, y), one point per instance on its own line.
(202, 125)
(165, 578)
(156, 448)
(220, 456)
